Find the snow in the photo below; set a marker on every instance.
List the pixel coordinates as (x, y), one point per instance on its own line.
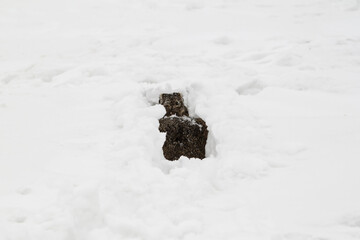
(275, 81)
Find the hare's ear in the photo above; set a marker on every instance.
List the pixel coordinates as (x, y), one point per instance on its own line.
(161, 100)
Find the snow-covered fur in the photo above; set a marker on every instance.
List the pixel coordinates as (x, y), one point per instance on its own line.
(174, 104)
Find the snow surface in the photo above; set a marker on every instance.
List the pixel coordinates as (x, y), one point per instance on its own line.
(276, 81)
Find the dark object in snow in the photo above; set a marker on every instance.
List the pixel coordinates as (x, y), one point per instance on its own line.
(174, 104)
(185, 136)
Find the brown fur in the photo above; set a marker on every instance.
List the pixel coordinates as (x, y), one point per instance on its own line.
(174, 104)
(185, 136)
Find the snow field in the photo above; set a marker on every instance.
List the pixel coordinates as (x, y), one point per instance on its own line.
(276, 82)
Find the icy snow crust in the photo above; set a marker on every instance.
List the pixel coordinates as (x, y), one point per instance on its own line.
(277, 83)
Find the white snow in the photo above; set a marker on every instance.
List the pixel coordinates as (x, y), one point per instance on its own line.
(277, 83)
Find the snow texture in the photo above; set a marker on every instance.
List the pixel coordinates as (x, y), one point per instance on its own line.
(277, 83)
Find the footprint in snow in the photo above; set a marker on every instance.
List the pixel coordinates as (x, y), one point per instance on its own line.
(351, 221)
(8, 79)
(18, 217)
(289, 60)
(256, 56)
(24, 190)
(222, 40)
(250, 88)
